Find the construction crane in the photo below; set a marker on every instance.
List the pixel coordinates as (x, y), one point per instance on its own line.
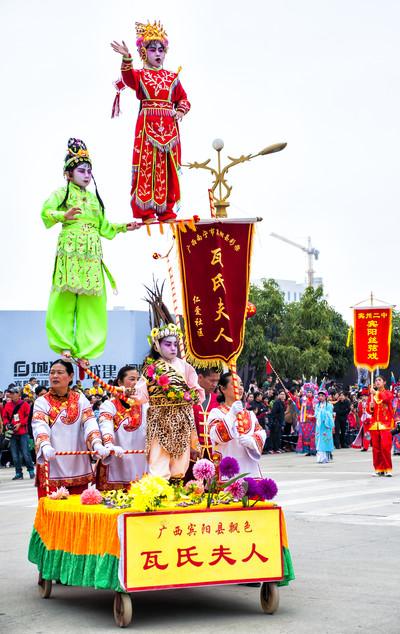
(310, 250)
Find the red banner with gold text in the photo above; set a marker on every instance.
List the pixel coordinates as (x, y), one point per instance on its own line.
(215, 271)
(372, 335)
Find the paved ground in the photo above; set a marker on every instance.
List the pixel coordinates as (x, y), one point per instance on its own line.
(345, 541)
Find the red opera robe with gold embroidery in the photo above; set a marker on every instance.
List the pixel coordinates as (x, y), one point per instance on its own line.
(157, 148)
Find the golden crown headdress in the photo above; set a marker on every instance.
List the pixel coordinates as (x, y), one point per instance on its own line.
(148, 32)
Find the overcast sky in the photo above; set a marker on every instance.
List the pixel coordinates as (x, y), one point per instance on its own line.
(322, 75)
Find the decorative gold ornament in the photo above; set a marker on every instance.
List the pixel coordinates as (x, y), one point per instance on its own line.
(143, 53)
(151, 32)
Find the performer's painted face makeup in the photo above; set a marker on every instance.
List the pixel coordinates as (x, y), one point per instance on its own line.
(155, 54)
(168, 348)
(82, 175)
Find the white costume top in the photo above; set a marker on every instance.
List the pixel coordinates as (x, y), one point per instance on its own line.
(126, 427)
(224, 435)
(66, 423)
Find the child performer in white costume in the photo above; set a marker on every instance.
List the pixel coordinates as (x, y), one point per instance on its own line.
(246, 447)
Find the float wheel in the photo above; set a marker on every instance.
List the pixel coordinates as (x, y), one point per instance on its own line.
(122, 609)
(45, 586)
(269, 597)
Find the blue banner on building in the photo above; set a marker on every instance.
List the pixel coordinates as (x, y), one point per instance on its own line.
(25, 352)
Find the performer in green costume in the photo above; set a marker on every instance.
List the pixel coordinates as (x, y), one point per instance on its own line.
(76, 321)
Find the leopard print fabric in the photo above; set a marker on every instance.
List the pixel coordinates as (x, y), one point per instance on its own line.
(172, 424)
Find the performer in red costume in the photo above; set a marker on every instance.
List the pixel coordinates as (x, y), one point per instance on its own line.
(381, 410)
(306, 440)
(208, 380)
(163, 103)
(396, 416)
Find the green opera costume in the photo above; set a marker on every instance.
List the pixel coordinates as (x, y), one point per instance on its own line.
(76, 316)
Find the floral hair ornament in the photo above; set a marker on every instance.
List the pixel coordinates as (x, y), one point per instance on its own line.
(169, 330)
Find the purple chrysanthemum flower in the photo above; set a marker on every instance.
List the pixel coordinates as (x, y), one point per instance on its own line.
(252, 487)
(267, 489)
(229, 467)
(204, 469)
(237, 489)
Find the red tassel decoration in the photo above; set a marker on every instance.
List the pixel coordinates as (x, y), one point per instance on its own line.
(116, 110)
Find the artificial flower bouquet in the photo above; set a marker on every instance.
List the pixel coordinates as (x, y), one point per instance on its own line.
(172, 393)
(151, 493)
(232, 486)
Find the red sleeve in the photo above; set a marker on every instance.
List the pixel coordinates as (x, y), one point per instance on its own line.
(130, 76)
(7, 411)
(222, 431)
(24, 413)
(180, 99)
(387, 396)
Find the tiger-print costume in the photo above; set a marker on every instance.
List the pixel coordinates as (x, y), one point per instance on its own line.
(171, 423)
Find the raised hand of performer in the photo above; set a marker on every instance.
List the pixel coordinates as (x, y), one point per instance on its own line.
(128, 392)
(72, 213)
(122, 49)
(132, 226)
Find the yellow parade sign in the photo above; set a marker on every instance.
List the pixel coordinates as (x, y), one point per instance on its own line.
(201, 547)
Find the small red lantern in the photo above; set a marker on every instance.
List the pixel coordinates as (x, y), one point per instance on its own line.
(251, 310)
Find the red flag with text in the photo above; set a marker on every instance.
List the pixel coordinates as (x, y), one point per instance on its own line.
(215, 270)
(372, 335)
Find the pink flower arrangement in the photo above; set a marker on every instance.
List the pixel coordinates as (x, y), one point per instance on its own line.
(204, 469)
(91, 495)
(163, 380)
(151, 371)
(187, 396)
(61, 493)
(237, 489)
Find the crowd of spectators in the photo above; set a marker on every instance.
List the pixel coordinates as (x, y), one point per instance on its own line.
(16, 407)
(277, 407)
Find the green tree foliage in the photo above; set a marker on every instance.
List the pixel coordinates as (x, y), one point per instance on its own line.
(307, 337)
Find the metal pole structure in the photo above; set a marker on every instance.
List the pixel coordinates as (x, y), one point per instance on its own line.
(310, 272)
(175, 302)
(220, 183)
